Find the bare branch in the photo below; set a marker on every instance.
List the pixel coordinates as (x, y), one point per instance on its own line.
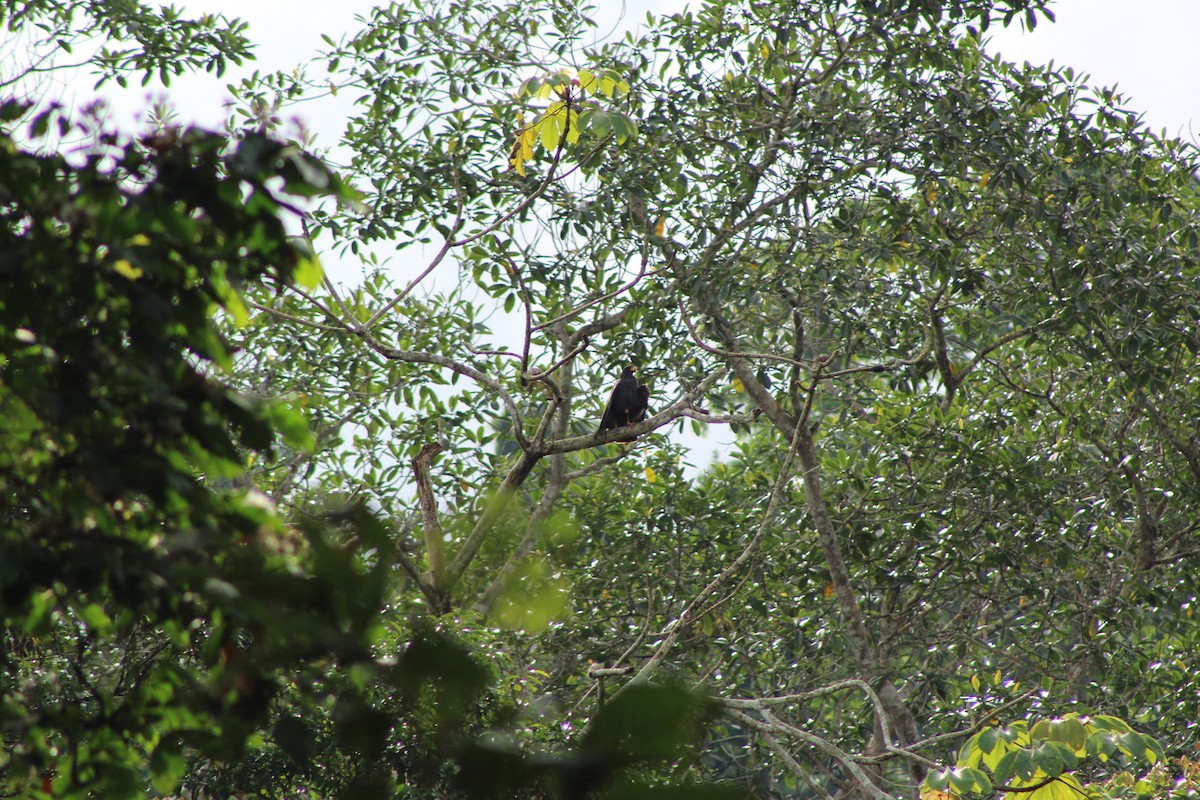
(599, 464)
(537, 376)
(274, 312)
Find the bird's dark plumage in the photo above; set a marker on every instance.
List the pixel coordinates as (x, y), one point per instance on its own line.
(627, 404)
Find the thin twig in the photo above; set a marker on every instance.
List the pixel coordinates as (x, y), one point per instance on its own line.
(583, 307)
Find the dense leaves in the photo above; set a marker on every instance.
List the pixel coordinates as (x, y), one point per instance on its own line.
(152, 605)
(947, 304)
(944, 262)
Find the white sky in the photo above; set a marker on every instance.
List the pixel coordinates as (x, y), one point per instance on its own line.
(1147, 49)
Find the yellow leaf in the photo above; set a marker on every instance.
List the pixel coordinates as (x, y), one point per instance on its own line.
(139, 240)
(984, 180)
(996, 678)
(651, 475)
(587, 81)
(552, 128)
(131, 272)
(934, 794)
(766, 51)
(572, 126)
(975, 682)
(1064, 787)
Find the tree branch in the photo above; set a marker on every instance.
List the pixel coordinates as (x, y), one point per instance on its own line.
(434, 537)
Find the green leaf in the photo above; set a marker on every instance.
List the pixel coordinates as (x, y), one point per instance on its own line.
(1052, 758)
(95, 618)
(433, 661)
(41, 606)
(596, 121)
(1069, 731)
(360, 728)
(293, 427)
(309, 272)
(965, 780)
(939, 779)
(167, 767)
(649, 722)
(533, 597)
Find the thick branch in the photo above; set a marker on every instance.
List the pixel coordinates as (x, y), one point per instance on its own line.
(496, 506)
(434, 537)
(941, 356)
(681, 407)
(532, 453)
(863, 647)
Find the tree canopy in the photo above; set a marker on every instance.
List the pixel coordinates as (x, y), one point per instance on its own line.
(269, 532)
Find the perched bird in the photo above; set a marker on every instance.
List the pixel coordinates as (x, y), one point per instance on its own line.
(627, 404)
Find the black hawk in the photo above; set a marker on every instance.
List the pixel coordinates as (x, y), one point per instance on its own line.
(627, 404)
